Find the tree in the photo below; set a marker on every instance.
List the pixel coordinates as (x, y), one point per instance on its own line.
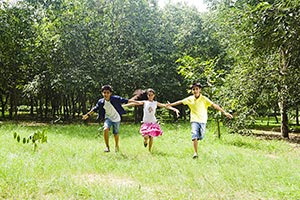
(16, 44)
(276, 30)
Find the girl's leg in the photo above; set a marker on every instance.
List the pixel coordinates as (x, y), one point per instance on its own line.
(150, 142)
(146, 140)
(106, 139)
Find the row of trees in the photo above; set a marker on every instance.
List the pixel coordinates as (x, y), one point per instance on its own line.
(55, 55)
(263, 39)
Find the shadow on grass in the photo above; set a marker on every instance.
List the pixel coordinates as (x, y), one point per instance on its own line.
(243, 144)
(293, 137)
(159, 153)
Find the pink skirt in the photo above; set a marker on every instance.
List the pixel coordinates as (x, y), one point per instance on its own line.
(150, 129)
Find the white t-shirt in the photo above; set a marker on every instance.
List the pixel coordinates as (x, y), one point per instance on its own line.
(111, 112)
(149, 112)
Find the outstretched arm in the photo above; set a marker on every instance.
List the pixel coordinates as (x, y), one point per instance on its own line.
(133, 103)
(87, 115)
(169, 107)
(174, 103)
(217, 107)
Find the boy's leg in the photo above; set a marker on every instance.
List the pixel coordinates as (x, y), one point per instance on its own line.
(195, 144)
(107, 125)
(150, 143)
(195, 137)
(106, 138)
(116, 136)
(116, 127)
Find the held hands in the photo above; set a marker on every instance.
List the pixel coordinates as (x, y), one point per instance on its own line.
(228, 115)
(168, 104)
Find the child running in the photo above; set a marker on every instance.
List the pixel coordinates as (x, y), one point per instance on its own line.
(110, 109)
(150, 127)
(198, 105)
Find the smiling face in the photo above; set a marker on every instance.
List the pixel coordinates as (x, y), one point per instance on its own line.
(106, 94)
(150, 96)
(196, 91)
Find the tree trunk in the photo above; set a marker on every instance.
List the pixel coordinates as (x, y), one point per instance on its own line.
(31, 106)
(40, 109)
(218, 126)
(297, 116)
(284, 120)
(73, 106)
(3, 104)
(46, 105)
(83, 104)
(283, 64)
(138, 114)
(275, 115)
(13, 106)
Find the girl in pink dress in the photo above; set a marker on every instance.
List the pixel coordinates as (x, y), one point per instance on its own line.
(150, 127)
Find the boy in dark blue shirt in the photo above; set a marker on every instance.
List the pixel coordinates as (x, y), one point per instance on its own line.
(110, 109)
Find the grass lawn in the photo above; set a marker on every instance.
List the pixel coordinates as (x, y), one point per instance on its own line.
(72, 165)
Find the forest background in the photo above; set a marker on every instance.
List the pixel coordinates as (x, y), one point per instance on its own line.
(55, 56)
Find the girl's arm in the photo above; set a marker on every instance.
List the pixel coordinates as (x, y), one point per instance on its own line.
(168, 107)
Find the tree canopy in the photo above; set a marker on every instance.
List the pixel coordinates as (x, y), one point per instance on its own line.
(55, 55)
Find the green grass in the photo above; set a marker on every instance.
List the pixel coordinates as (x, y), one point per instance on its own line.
(72, 165)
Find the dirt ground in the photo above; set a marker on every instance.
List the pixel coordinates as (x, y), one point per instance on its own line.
(294, 138)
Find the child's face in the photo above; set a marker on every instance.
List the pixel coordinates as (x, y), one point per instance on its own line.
(150, 96)
(196, 91)
(106, 94)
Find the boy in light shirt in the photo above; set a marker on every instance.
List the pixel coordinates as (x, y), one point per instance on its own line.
(198, 105)
(110, 109)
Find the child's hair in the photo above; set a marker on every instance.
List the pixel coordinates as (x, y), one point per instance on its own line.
(196, 85)
(106, 87)
(141, 95)
(150, 90)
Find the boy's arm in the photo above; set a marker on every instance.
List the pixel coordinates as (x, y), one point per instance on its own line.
(88, 114)
(217, 107)
(169, 107)
(174, 103)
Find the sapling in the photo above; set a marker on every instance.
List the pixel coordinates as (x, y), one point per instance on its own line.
(36, 137)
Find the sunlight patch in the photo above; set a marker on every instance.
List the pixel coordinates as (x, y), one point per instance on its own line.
(106, 180)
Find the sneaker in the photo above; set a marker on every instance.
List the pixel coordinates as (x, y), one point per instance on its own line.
(106, 150)
(195, 156)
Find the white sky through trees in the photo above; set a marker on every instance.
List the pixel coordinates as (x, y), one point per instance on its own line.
(197, 3)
